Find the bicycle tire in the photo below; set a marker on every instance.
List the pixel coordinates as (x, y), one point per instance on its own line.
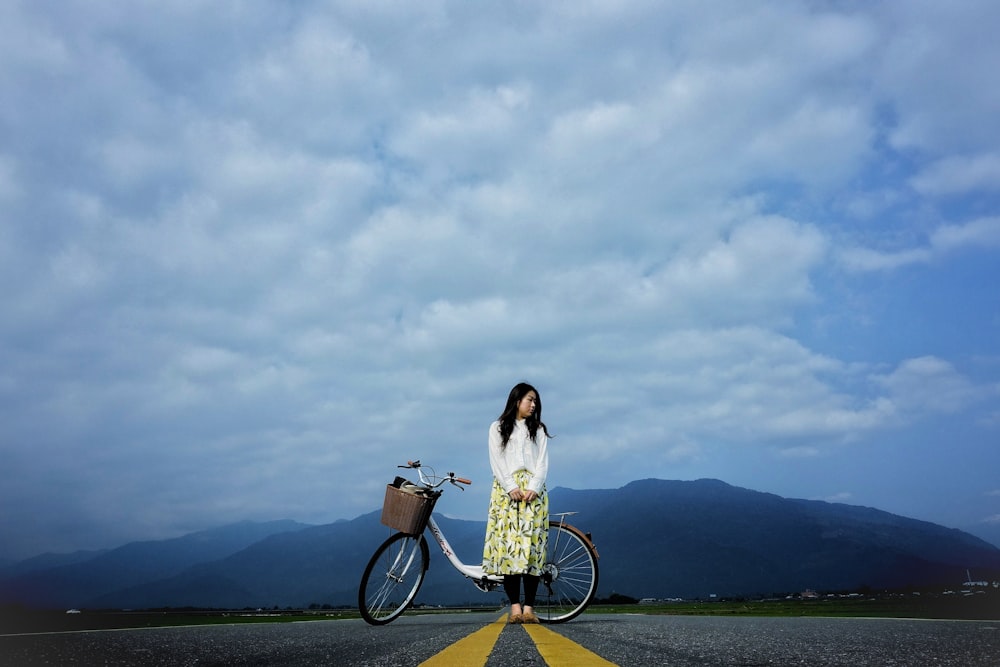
(569, 577)
(392, 578)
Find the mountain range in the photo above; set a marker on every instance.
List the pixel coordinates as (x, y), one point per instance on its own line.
(656, 538)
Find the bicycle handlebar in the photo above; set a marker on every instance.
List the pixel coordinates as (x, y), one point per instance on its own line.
(424, 479)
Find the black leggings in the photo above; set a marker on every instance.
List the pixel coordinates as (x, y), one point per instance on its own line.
(512, 587)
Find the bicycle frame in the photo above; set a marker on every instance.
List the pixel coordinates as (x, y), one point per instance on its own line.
(474, 572)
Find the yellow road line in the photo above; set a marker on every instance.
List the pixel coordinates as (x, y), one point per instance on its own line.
(557, 651)
(472, 650)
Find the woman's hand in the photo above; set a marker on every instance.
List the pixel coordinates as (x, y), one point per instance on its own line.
(525, 495)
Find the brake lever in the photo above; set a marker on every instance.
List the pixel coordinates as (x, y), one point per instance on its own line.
(458, 481)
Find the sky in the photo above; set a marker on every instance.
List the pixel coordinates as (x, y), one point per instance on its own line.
(253, 255)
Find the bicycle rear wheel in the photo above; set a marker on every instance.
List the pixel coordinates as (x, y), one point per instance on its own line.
(392, 578)
(569, 577)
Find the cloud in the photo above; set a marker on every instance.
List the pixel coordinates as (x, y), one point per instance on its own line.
(802, 452)
(958, 174)
(255, 255)
(981, 234)
(742, 386)
(929, 384)
(9, 186)
(934, 57)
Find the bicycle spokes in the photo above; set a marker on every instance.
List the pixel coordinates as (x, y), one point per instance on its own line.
(392, 578)
(569, 576)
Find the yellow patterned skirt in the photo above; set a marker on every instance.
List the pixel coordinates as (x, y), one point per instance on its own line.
(516, 532)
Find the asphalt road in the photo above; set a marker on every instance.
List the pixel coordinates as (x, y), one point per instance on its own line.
(626, 640)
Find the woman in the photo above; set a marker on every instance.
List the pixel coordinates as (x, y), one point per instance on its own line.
(517, 525)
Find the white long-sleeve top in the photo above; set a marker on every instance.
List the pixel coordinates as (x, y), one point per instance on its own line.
(521, 453)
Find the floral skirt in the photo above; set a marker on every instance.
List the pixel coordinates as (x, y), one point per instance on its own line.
(516, 532)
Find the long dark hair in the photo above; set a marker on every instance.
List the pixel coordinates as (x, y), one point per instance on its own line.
(509, 415)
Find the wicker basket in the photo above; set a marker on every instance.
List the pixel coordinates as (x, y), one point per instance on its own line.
(406, 512)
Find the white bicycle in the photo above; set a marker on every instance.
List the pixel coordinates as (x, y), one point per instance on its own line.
(396, 569)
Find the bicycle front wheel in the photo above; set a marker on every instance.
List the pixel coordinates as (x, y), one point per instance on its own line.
(569, 577)
(392, 578)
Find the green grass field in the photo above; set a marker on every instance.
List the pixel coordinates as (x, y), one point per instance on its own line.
(986, 607)
(14, 621)
(979, 607)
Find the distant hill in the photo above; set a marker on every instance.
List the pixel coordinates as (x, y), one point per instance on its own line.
(46, 561)
(316, 565)
(656, 538)
(986, 531)
(692, 539)
(70, 584)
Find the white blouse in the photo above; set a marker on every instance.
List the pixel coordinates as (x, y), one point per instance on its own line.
(521, 453)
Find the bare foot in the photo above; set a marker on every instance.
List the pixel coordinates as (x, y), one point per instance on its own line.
(515, 617)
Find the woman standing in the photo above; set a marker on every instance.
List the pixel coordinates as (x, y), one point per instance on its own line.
(517, 525)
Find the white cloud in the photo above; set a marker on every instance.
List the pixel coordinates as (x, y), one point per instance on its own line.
(9, 185)
(933, 56)
(980, 234)
(743, 385)
(471, 136)
(803, 452)
(866, 259)
(929, 384)
(295, 243)
(959, 174)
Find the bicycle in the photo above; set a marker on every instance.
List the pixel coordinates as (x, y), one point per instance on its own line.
(397, 568)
